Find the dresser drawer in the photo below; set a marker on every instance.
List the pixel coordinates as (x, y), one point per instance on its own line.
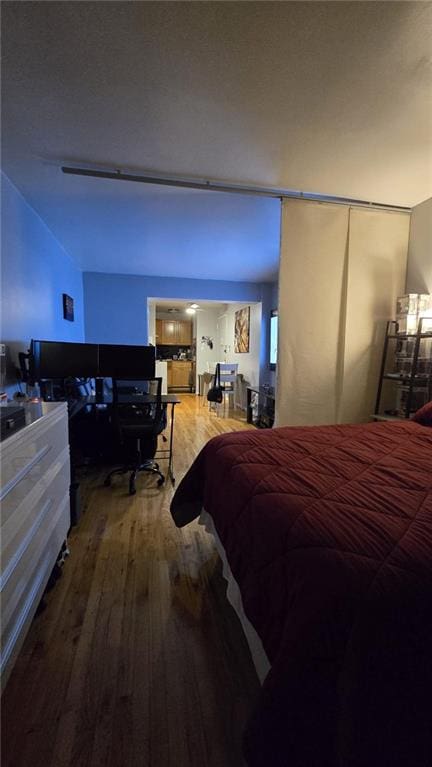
(20, 605)
(19, 528)
(27, 466)
(24, 570)
(34, 518)
(35, 448)
(21, 506)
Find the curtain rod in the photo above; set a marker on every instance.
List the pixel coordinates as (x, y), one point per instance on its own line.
(216, 186)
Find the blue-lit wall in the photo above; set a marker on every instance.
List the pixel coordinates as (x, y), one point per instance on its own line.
(109, 308)
(274, 295)
(116, 304)
(35, 271)
(269, 302)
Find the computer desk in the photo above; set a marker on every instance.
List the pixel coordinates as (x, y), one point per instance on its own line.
(139, 399)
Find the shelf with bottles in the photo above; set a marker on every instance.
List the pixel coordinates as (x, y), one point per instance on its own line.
(407, 363)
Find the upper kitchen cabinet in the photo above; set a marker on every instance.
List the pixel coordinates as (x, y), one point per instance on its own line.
(167, 331)
(184, 332)
(178, 332)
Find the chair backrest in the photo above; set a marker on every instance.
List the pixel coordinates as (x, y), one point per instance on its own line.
(228, 372)
(138, 387)
(148, 413)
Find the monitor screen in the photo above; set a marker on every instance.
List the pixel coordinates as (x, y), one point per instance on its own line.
(59, 359)
(126, 362)
(273, 339)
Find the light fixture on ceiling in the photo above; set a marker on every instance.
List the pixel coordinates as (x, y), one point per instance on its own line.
(190, 310)
(194, 306)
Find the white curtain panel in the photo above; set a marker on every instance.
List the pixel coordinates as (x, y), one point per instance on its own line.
(377, 260)
(419, 269)
(314, 240)
(341, 270)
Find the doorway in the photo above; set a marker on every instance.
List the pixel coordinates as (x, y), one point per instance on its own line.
(192, 336)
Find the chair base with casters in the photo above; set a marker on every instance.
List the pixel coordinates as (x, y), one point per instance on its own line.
(138, 426)
(135, 467)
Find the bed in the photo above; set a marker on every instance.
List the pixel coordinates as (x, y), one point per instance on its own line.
(326, 533)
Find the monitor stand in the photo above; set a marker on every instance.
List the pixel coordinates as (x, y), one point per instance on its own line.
(99, 389)
(46, 390)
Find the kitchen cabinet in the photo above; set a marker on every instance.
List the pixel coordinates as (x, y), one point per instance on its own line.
(179, 374)
(173, 332)
(165, 332)
(169, 332)
(184, 330)
(159, 329)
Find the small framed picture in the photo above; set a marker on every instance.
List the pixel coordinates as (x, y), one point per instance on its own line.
(68, 307)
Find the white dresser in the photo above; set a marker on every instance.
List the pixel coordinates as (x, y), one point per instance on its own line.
(35, 518)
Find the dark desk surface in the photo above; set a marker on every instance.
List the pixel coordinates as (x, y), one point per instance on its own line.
(75, 407)
(130, 399)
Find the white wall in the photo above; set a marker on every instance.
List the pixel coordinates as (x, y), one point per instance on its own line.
(248, 363)
(151, 312)
(419, 267)
(207, 325)
(35, 272)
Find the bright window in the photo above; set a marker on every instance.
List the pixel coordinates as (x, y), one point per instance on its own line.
(273, 338)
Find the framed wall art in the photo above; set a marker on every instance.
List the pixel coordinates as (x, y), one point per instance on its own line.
(68, 307)
(241, 330)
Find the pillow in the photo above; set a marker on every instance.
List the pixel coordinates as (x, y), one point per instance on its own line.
(424, 414)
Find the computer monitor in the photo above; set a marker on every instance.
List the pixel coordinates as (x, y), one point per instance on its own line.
(60, 359)
(126, 362)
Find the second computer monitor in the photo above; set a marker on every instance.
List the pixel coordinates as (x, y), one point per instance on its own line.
(126, 362)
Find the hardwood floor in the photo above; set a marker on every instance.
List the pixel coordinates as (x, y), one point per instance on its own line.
(137, 659)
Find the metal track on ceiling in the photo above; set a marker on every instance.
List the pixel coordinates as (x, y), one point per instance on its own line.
(217, 186)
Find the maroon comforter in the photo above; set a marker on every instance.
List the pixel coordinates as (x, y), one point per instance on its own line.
(328, 532)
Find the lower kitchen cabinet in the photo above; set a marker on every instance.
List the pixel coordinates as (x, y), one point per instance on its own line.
(179, 374)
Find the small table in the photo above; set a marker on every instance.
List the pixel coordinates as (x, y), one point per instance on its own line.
(263, 393)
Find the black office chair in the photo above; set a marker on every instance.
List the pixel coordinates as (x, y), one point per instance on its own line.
(138, 425)
(133, 386)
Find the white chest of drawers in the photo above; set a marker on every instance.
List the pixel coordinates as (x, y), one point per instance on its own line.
(34, 518)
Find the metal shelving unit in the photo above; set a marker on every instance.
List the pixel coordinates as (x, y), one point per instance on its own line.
(415, 378)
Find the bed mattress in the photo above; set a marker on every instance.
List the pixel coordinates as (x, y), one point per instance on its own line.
(328, 533)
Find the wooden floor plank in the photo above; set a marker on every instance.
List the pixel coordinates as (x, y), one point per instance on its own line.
(137, 659)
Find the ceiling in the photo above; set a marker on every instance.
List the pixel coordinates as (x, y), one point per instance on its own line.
(165, 304)
(331, 98)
